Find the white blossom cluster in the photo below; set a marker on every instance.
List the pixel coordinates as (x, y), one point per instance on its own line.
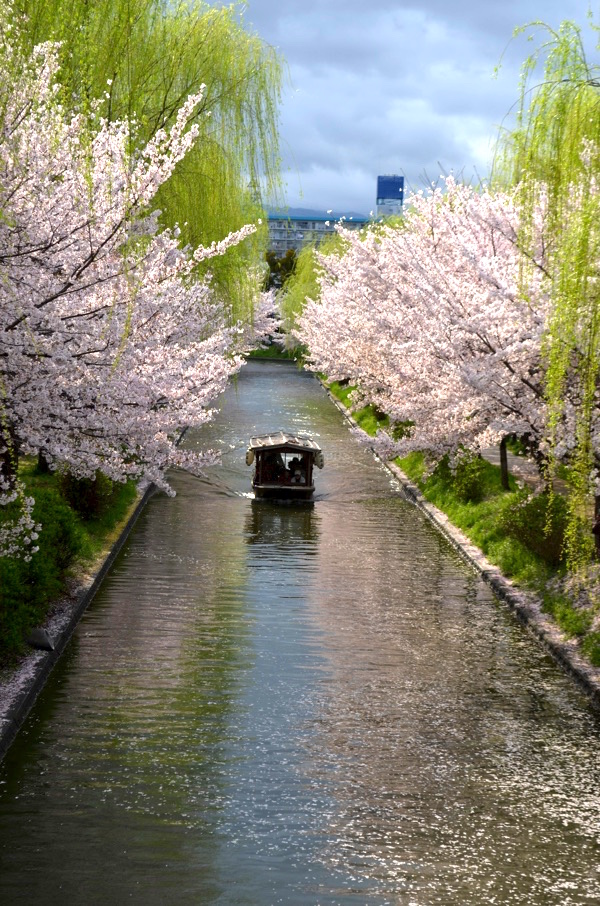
(109, 342)
(440, 322)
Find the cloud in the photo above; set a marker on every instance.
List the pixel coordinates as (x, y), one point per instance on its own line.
(393, 87)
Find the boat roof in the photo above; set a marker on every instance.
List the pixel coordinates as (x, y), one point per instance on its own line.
(283, 439)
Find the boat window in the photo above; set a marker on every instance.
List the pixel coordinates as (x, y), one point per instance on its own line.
(296, 467)
(283, 467)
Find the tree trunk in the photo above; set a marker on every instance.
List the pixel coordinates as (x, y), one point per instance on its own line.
(9, 454)
(43, 466)
(503, 465)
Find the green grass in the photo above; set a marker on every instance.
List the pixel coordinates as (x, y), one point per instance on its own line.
(482, 521)
(104, 529)
(572, 620)
(591, 648)
(274, 351)
(487, 523)
(98, 531)
(496, 523)
(492, 523)
(368, 418)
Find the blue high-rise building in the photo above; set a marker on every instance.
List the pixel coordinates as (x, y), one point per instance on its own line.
(390, 195)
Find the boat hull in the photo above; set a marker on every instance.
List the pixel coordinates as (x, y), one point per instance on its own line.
(283, 466)
(283, 492)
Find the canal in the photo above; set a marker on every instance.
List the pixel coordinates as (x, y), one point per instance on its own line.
(295, 705)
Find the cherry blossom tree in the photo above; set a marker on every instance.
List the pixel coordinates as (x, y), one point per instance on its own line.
(109, 344)
(439, 322)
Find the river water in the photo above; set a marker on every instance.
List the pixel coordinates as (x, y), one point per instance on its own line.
(300, 705)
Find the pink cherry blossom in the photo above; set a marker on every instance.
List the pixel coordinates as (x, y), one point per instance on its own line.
(439, 322)
(109, 341)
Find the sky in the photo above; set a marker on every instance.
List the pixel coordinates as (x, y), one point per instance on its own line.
(396, 87)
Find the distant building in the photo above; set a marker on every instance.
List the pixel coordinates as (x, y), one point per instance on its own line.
(390, 195)
(295, 230)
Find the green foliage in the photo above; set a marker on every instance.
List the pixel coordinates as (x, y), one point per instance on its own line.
(539, 521)
(574, 621)
(26, 588)
(523, 534)
(280, 268)
(303, 284)
(369, 418)
(89, 497)
(60, 537)
(414, 465)
(469, 478)
(393, 222)
(516, 446)
(466, 476)
(553, 157)
(481, 521)
(144, 57)
(341, 390)
(274, 351)
(591, 648)
(101, 528)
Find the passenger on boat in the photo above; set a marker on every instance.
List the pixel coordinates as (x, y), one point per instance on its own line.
(293, 466)
(273, 468)
(297, 472)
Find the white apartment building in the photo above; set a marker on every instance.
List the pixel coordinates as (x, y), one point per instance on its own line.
(293, 231)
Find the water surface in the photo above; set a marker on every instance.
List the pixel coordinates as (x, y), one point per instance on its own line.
(300, 705)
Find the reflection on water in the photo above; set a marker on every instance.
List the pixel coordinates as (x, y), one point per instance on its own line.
(301, 705)
(283, 526)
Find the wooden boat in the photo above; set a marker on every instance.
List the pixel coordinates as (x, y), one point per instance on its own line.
(283, 465)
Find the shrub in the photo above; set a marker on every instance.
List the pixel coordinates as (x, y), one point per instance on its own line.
(538, 521)
(469, 481)
(464, 476)
(90, 497)
(26, 588)
(591, 648)
(61, 537)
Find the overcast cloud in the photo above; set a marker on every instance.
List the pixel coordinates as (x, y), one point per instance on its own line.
(390, 86)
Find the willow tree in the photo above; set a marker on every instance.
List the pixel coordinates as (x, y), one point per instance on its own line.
(553, 156)
(143, 58)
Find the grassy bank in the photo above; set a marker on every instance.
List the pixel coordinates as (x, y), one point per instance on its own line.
(521, 534)
(80, 520)
(366, 418)
(274, 351)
